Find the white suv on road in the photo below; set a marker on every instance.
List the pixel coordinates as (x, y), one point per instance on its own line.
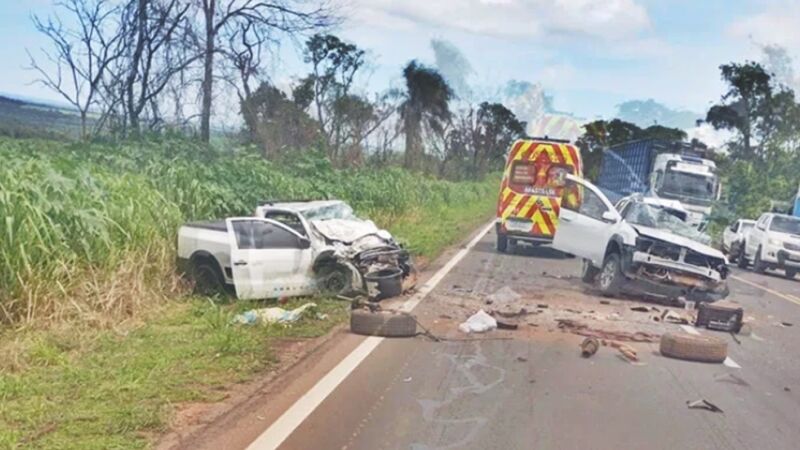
(735, 233)
(644, 248)
(774, 243)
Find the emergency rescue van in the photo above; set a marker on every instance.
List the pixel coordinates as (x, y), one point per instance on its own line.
(532, 188)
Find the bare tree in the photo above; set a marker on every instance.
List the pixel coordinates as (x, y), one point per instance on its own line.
(81, 55)
(267, 17)
(154, 33)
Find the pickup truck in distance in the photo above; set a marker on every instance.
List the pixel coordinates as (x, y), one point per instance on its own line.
(288, 249)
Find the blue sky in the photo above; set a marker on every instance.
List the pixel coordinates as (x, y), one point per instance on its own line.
(589, 54)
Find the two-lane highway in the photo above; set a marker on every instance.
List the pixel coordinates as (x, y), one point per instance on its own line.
(531, 389)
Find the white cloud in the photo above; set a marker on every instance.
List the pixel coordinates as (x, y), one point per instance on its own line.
(712, 137)
(604, 19)
(776, 25)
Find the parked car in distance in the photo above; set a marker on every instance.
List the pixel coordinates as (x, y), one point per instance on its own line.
(773, 243)
(644, 248)
(735, 232)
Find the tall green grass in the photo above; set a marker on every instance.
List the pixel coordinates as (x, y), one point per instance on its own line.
(88, 230)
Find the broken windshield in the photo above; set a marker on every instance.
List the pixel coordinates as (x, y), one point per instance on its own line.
(682, 185)
(335, 211)
(655, 216)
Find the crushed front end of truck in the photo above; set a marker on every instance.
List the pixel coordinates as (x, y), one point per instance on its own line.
(670, 270)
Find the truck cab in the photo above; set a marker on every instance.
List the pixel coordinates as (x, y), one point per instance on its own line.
(691, 180)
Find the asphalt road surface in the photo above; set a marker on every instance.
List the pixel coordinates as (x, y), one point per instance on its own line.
(531, 389)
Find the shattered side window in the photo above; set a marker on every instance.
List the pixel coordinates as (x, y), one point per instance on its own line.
(583, 201)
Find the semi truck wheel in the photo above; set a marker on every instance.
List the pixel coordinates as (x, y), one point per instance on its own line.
(790, 273)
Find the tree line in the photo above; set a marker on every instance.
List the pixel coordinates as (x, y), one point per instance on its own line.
(760, 163)
(135, 67)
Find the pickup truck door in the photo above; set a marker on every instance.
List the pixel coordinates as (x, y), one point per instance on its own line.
(729, 235)
(586, 222)
(268, 259)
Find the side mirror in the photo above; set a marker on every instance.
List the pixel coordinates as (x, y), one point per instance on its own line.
(609, 217)
(303, 242)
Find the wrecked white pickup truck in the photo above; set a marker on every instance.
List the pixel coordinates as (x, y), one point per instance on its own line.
(293, 249)
(640, 247)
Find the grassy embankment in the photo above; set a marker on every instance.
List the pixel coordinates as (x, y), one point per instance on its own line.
(101, 342)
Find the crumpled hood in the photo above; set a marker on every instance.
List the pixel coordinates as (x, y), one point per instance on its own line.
(666, 236)
(348, 231)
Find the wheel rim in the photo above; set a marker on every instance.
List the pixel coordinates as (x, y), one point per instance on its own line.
(607, 276)
(206, 282)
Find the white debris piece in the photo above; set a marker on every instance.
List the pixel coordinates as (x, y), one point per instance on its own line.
(504, 296)
(272, 315)
(480, 322)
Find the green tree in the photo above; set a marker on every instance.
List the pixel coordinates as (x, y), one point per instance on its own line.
(276, 123)
(497, 127)
(327, 89)
(426, 106)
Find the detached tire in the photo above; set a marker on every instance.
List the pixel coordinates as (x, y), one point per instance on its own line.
(694, 348)
(382, 323)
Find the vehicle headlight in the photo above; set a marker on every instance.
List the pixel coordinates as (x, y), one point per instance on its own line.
(774, 242)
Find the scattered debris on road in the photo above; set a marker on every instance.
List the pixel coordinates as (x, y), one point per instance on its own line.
(506, 325)
(581, 329)
(787, 324)
(589, 347)
(542, 305)
(605, 302)
(787, 389)
(672, 317)
(480, 322)
(703, 404)
(522, 359)
(643, 309)
(627, 352)
(721, 316)
(504, 296)
(273, 315)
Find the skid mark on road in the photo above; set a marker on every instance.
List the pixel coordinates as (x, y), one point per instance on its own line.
(466, 366)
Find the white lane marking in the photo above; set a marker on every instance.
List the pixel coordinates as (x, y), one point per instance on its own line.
(690, 329)
(731, 363)
(787, 297)
(728, 361)
(274, 436)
